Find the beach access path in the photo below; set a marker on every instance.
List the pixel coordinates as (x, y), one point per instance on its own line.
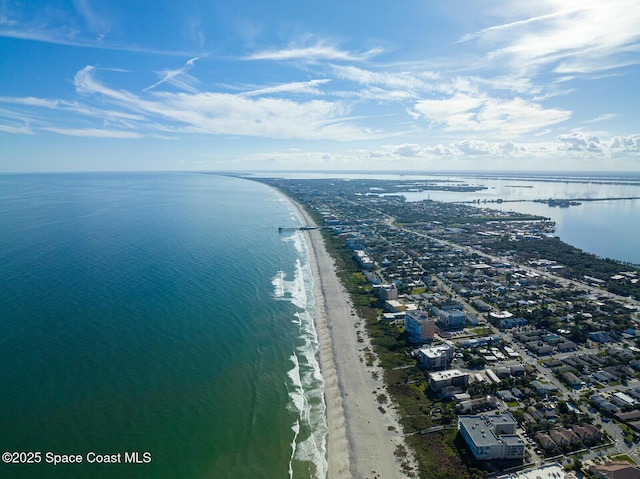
(361, 439)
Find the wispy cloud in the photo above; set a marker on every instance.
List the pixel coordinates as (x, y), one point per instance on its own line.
(97, 23)
(73, 107)
(80, 27)
(495, 31)
(308, 87)
(229, 114)
(483, 113)
(605, 117)
(178, 77)
(74, 39)
(408, 82)
(94, 132)
(252, 113)
(318, 51)
(16, 130)
(567, 37)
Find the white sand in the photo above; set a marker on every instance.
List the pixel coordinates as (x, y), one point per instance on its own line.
(360, 443)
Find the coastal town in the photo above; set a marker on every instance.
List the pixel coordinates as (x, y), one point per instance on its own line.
(503, 349)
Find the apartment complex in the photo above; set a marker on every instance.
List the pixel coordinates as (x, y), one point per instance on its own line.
(492, 436)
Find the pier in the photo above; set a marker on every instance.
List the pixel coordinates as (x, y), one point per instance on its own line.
(284, 229)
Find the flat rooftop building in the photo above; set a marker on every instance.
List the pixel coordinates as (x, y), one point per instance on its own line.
(436, 357)
(450, 377)
(419, 326)
(492, 436)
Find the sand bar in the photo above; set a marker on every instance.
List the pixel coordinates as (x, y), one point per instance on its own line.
(361, 439)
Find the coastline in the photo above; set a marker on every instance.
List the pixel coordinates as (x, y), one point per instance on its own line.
(362, 438)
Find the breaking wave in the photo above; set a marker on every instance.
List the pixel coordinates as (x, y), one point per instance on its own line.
(305, 384)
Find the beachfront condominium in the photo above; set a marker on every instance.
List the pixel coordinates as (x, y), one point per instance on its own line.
(419, 326)
(451, 377)
(492, 436)
(435, 357)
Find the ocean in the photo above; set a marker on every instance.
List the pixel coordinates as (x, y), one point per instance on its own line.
(161, 322)
(161, 314)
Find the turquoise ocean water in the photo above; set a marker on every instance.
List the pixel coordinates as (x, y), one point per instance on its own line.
(159, 313)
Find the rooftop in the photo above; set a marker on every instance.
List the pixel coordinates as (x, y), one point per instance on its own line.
(481, 429)
(448, 374)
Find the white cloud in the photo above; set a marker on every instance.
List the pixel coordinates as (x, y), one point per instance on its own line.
(94, 133)
(408, 81)
(440, 150)
(232, 114)
(460, 150)
(496, 31)
(474, 113)
(318, 51)
(605, 117)
(97, 23)
(33, 101)
(473, 147)
(408, 150)
(73, 107)
(509, 148)
(452, 155)
(567, 36)
(579, 142)
(629, 143)
(16, 130)
(308, 87)
(49, 24)
(178, 77)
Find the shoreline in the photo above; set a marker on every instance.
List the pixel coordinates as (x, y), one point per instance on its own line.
(361, 438)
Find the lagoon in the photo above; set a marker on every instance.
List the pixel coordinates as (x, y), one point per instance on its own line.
(609, 229)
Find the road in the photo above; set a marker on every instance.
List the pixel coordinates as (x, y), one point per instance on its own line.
(543, 273)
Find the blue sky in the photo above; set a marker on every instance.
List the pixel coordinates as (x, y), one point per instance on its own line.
(359, 85)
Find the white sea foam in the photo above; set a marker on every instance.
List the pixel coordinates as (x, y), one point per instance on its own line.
(295, 290)
(296, 430)
(306, 384)
(297, 395)
(278, 284)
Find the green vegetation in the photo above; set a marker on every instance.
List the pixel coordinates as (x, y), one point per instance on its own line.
(430, 255)
(622, 457)
(440, 454)
(577, 264)
(443, 454)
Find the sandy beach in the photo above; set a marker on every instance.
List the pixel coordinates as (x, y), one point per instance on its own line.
(361, 438)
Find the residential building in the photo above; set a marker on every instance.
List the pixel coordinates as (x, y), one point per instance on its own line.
(545, 441)
(450, 377)
(387, 291)
(588, 433)
(622, 399)
(420, 327)
(483, 404)
(450, 319)
(436, 357)
(492, 436)
(616, 470)
(394, 306)
(355, 242)
(363, 259)
(545, 471)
